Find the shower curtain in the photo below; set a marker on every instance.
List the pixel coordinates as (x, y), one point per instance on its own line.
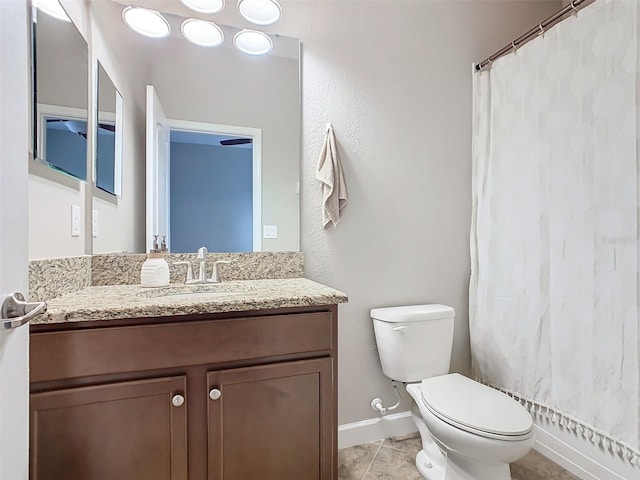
(554, 241)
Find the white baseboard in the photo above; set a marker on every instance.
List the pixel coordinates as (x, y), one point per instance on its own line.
(373, 429)
(583, 459)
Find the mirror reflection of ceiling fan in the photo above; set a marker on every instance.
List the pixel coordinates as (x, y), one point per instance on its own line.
(79, 127)
(235, 141)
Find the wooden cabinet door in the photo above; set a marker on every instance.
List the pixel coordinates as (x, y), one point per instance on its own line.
(124, 431)
(272, 422)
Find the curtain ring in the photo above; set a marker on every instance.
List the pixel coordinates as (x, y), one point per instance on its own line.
(514, 49)
(541, 29)
(574, 8)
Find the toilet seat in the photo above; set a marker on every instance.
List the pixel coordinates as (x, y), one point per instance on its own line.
(476, 408)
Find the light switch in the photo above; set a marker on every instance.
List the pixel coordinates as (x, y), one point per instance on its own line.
(270, 231)
(94, 223)
(75, 221)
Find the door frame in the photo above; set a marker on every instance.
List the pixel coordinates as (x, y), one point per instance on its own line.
(157, 191)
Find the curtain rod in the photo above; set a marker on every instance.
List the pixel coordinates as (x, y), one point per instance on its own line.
(573, 7)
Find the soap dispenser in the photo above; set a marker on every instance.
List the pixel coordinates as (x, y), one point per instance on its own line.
(155, 269)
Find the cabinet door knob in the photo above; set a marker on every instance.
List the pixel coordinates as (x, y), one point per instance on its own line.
(215, 394)
(177, 400)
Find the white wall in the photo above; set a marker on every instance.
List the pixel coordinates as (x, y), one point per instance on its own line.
(395, 80)
(50, 216)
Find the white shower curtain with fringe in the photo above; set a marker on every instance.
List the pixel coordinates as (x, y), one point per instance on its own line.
(554, 241)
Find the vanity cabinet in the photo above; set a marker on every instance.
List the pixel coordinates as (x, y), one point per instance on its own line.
(111, 431)
(270, 422)
(233, 396)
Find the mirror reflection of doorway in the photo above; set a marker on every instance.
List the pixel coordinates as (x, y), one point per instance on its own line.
(210, 192)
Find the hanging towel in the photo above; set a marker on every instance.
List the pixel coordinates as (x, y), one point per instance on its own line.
(334, 188)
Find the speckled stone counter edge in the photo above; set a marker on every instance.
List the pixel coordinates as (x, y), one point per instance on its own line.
(131, 301)
(54, 277)
(51, 278)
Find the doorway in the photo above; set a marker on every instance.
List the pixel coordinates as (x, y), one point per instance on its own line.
(197, 209)
(211, 190)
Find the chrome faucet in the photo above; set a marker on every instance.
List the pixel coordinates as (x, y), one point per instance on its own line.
(202, 257)
(202, 273)
(215, 276)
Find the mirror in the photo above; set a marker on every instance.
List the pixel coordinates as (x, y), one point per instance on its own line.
(221, 92)
(61, 95)
(217, 91)
(196, 85)
(108, 169)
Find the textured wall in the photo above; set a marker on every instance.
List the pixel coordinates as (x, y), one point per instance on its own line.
(395, 80)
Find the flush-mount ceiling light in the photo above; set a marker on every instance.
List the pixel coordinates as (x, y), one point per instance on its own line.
(146, 22)
(260, 12)
(53, 9)
(201, 32)
(252, 42)
(204, 6)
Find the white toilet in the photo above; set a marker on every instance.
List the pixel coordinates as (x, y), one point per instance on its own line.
(469, 431)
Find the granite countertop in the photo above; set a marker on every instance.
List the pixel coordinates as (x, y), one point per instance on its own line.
(133, 301)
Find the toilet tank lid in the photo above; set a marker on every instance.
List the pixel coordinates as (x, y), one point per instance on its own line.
(413, 313)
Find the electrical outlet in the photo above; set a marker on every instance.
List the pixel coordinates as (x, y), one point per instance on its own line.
(94, 223)
(270, 231)
(75, 221)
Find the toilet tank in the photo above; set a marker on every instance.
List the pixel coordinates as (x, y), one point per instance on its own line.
(414, 342)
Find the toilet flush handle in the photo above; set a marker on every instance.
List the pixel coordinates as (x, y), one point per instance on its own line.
(399, 328)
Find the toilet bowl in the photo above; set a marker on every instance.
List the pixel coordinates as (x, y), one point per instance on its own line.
(469, 431)
(469, 440)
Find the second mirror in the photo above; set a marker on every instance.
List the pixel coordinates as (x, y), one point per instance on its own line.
(108, 169)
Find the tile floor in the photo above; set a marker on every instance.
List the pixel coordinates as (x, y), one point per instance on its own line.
(394, 459)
